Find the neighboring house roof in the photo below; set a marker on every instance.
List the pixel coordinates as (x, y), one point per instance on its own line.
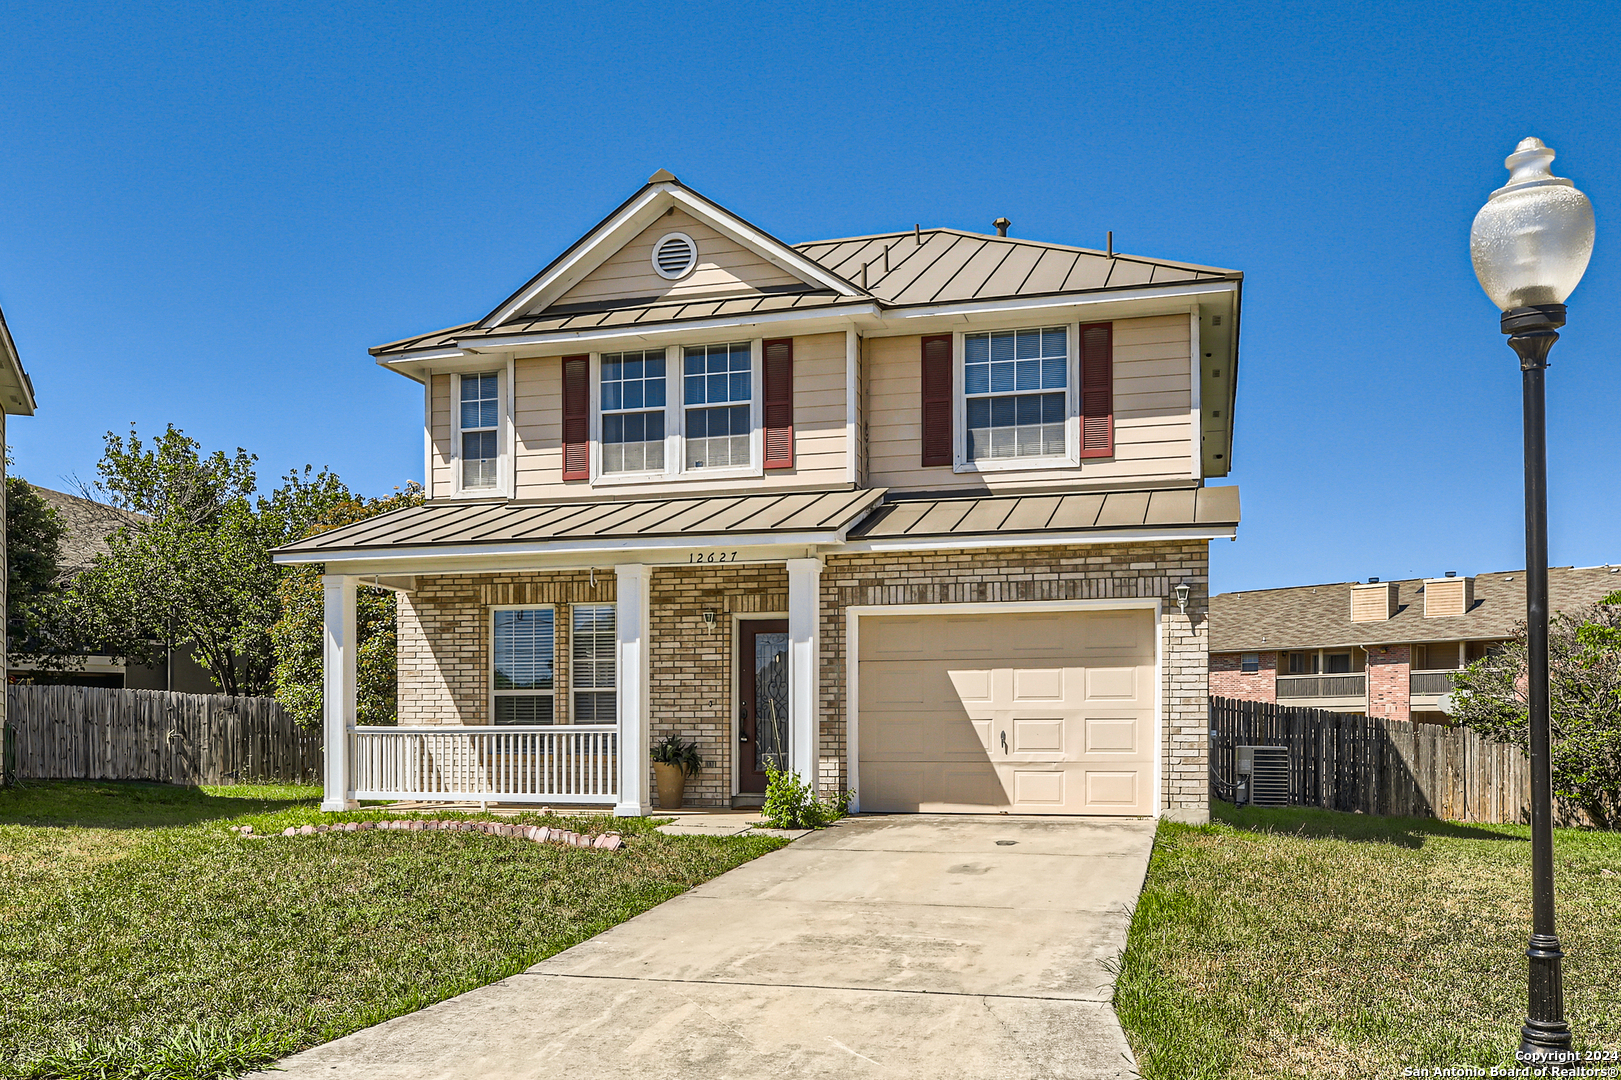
(16, 388)
(951, 265)
(88, 524)
(619, 525)
(934, 516)
(1319, 616)
(924, 267)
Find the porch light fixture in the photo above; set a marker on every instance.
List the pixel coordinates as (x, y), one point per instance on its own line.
(1530, 245)
(1182, 592)
(709, 618)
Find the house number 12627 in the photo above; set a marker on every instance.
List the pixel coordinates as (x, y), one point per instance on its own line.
(712, 556)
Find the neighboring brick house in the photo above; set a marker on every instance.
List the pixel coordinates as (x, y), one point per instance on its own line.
(1381, 648)
(905, 514)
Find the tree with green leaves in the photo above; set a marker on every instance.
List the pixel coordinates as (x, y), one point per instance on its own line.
(1584, 690)
(298, 634)
(197, 570)
(39, 628)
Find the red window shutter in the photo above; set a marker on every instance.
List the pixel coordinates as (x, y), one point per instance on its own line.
(779, 403)
(576, 418)
(1097, 390)
(937, 376)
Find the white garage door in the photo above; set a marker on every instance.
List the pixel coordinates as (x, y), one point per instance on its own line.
(1049, 713)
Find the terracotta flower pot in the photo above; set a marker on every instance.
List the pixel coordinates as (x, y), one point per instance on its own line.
(672, 785)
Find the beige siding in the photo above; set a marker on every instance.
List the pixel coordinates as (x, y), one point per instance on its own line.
(724, 267)
(819, 411)
(819, 441)
(1153, 415)
(538, 421)
(443, 480)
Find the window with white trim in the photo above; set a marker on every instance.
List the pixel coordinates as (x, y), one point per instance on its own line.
(1015, 389)
(717, 390)
(522, 644)
(480, 420)
(633, 394)
(592, 668)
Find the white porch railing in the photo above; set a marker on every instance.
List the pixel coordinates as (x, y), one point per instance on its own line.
(567, 763)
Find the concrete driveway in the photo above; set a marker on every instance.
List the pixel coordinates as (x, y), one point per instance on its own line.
(886, 947)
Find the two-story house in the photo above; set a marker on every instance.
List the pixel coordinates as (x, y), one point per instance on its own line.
(1379, 648)
(907, 514)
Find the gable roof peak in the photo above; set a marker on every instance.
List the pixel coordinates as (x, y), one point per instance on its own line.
(663, 176)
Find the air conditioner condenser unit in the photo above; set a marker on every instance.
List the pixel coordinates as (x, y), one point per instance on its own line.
(1264, 773)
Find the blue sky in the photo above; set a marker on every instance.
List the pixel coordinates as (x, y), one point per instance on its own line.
(209, 212)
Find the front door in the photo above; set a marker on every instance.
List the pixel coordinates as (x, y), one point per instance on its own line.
(762, 718)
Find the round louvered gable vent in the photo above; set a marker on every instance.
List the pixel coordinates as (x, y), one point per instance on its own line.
(675, 255)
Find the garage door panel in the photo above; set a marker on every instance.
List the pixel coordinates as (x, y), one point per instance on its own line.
(1111, 734)
(1038, 736)
(1049, 713)
(930, 787)
(1112, 683)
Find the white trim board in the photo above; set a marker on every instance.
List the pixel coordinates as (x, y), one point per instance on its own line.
(852, 668)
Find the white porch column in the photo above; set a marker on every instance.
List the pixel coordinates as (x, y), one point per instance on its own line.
(631, 627)
(804, 695)
(338, 688)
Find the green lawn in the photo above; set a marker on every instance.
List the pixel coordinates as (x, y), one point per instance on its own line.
(139, 937)
(1297, 942)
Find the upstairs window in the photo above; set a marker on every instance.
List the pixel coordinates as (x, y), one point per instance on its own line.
(592, 671)
(633, 411)
(480, 419)
(717, 390)
(1250, 663)
(1016, 383)
(522, 644)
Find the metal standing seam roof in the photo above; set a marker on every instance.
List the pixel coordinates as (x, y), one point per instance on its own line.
(448, 524)
(948, 266)
(1319, 616)
(916, 518)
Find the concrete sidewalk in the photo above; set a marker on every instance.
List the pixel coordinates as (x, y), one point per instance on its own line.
(888, 947)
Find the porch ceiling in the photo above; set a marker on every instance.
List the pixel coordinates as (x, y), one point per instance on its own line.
(487, 526)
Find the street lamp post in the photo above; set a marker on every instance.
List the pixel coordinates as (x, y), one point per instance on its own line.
(1530, 245)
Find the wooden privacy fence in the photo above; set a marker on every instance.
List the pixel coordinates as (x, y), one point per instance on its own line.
(1345, 761)
(91, 733)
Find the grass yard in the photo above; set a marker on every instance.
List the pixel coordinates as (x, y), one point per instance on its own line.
(1298, 942)
(139, 937)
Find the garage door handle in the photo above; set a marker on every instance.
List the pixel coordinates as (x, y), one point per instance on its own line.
(1004, 742)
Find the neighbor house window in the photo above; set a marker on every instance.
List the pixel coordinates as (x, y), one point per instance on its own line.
(1336, 663)
(480, 415)
(522, 643)
(1301, 663)
(633, 412)
(592, 671)
(1015, 384)
(716, 391)
(1251, 663)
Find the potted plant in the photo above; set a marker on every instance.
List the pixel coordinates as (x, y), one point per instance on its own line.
(673, 761)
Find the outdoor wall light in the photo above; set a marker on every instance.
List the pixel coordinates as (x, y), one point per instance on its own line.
(1182, 592)
(1530, 245)
(709, 618)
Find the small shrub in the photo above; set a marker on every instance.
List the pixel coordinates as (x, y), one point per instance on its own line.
(790, 803)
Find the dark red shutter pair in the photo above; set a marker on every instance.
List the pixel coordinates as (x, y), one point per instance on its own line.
(1097, 394)
(778, 404)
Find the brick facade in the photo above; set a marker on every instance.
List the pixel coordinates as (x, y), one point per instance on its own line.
(1229, 680)
(1098, 572)
(1389, 667)
(444, 639)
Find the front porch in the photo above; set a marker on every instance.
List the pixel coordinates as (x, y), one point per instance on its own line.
(609, 659)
